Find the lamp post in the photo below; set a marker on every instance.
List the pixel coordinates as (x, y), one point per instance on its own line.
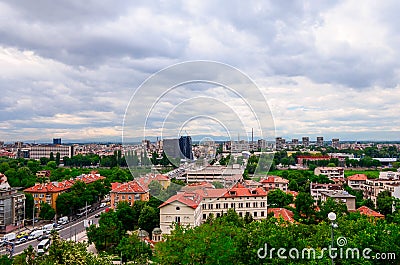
(332, 218)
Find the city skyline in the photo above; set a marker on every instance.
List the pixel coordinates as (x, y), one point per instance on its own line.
(327, 69)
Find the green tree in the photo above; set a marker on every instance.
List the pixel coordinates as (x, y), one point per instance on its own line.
(58, 158)
(384, 202)
(52, 164)
(51, 156)
(305, 208)
(125, 214)
(217, 185)
(149, 219)
(278, 198)
(155, 188)
(46, 212)
(132, 249)
(28, 205)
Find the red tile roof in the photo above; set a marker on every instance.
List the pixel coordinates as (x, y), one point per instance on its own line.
(274, 179)
(357, 177)
(286, 214)
(191, 199)
(127, 187)
(367, 211)
(53, 187)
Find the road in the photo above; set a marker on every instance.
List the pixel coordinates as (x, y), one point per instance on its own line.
(69, 231)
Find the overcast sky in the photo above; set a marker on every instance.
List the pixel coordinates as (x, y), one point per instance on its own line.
(326, 68)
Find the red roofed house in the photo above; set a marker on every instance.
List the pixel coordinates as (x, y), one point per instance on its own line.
(275, 182)
(357, 181)
(129, 191)
(182, 208)
(286, 214)
(367, 211)
(193, 208)
(48, 192)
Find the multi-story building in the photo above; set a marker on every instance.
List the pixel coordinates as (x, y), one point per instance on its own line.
(38, 151)
(305, 141)
(226, 175)
(335, 143)
(275, 182)
(320, 141)
(185, 145)
(12, 207)
(357, 181)
(330, 172)
(48, 192)
(262, 144)
(304, 159)
(183, 208)
(130, 192)
(279, 143)
(239, 146)
(193, 208)
(373, 187)
(172, 149)
(317, 188)
(340, 196)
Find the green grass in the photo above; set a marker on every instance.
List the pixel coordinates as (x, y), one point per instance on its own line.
(370, 173)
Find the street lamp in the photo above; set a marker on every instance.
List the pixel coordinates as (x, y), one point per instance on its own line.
(332, 218)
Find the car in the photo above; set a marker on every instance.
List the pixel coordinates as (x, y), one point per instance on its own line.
(40, 238)
(21, 240)
(22, 234)
(97, 215)
(59, 227)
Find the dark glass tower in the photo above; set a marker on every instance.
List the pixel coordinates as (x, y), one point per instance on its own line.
(185, 144)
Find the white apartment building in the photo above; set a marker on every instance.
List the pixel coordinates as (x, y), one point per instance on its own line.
(373, 187)
(193, 208)
(357, 181)
(38, 151)
(227, 175)
(183, 208)
(331, 172)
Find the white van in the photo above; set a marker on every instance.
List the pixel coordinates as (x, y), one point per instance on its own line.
(36, 234)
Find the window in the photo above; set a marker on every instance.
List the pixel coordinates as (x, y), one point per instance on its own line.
(123, 197)
(218, 215)
(129, 197)
(217, 206)
(255, 214)
(262, 204)
(241, 214)
(241, 205)
(262, 213)
(204, 206)
(255, 204)
(226, 205)
(177, 219)
(204, 216)
(210, 206)
(247, 204)
(177, 208)
(232, 205)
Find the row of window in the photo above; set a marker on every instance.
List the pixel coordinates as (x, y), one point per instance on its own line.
(123, 197)
(254, 214)
(210, 206)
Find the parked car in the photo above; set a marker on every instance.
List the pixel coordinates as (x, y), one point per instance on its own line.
(22, 234)
(21, 240)
(97, 215)
(40, 238)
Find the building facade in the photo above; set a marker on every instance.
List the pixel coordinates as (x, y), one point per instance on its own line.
(130, 192)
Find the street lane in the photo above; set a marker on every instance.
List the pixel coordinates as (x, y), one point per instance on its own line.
(69, 231)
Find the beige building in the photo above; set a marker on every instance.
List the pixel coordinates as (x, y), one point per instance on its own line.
(340, 196)
(227, 175)
(183, 208)
(357, 181)
(330, 172)
(193, 208)
(317, 188)
(275, 182)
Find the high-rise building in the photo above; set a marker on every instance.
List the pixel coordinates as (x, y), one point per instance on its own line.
(320, 141)
(305, 141)
(335, 143)
(171, 148)
(185, 145)
(295, 141)
(279, 141)
(57, 141)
